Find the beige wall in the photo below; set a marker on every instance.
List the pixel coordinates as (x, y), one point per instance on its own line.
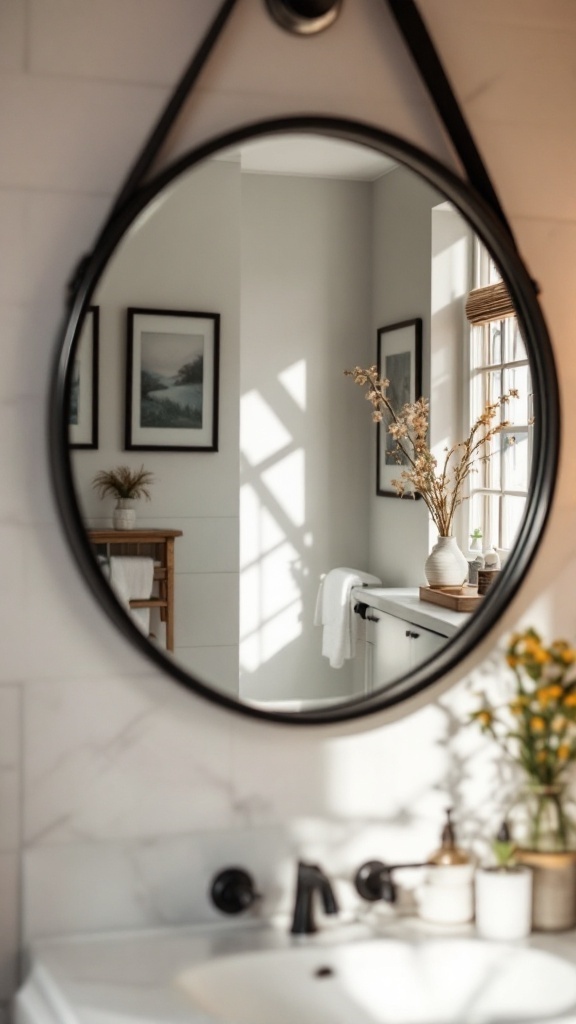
(119, 792)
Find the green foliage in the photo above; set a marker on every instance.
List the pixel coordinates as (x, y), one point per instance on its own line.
(148, 383)
(162, 412)
(191, 373)
(123, 482)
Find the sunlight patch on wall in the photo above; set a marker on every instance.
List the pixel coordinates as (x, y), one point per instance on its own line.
(286, 482)
(294, 380)
(270, 598)
(271, 637)
(261, 531)
(262, 433)
(272, 511)
(450, 257)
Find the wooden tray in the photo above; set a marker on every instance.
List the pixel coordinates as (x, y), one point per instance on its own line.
(459, 599)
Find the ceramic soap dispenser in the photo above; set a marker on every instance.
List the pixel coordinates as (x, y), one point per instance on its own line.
(447, 896)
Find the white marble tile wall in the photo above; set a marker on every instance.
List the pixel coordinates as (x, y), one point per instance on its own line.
(119, 792)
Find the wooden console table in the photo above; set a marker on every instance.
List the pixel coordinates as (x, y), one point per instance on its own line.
(155, 544)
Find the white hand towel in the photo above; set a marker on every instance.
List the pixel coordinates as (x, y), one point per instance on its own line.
(335, 613)
(133, 577)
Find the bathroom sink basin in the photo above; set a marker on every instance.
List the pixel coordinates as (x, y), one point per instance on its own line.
(385, 981)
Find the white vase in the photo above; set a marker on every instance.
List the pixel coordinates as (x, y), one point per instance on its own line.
(446, 566)
(124, 514)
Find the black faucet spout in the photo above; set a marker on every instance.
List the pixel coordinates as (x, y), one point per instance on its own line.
(311, 879)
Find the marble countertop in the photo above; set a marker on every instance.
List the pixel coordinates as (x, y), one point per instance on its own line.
(123, 976)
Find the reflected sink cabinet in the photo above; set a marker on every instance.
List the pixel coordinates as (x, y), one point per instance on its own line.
(402, 631)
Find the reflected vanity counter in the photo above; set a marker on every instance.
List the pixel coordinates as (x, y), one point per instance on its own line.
(402, 631)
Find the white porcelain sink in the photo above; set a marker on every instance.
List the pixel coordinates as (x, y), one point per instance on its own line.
(385, 981)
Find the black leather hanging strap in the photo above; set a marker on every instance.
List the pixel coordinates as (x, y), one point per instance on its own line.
(158, 135)
(155, 140)
(426, 59)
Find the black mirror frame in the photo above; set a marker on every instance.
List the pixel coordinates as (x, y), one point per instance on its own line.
(546, 447)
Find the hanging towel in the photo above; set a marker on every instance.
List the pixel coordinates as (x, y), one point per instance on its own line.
(133, 577)
(335, 614)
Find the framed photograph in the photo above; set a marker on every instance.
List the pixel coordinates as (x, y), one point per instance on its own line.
(83, 387)
(400, 361)
(172, 380)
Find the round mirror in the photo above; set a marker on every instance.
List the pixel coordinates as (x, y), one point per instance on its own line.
(268, 562)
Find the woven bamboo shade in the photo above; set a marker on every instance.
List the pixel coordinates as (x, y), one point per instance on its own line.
(492, 302)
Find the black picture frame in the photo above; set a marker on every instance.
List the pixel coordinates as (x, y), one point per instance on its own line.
(399, 359)
(83, 385)
(179, 351)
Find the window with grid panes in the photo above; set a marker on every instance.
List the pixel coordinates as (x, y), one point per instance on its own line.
(499, 362)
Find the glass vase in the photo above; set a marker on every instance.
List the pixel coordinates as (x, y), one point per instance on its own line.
(549, 826)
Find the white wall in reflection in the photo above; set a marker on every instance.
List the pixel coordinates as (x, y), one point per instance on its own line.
(305, 436)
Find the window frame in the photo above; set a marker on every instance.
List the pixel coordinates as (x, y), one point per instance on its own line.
(481, 375)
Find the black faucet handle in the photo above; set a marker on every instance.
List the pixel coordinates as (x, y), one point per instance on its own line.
(233, 891)
(373, 881)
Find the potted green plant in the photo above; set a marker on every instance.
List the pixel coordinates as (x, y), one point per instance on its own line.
(476, 540)
(127, 485)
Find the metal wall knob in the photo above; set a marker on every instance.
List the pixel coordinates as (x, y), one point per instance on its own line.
(233, 891)
(304, 17)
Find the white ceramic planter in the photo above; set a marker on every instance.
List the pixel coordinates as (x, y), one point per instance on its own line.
(124, 514)
(503, 902)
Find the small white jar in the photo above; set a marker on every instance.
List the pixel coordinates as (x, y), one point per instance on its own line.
(503, 902)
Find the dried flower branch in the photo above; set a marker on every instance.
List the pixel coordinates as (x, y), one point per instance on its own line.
(441, 486)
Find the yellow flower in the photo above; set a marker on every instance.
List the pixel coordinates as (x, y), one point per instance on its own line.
(569, 655)
(570, 700)
(563, 751)
(512, 660)
(540, 655)
(484, 717)
(537, 723)
(547, 693)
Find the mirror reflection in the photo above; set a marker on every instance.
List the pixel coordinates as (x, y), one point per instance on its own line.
(265, 549)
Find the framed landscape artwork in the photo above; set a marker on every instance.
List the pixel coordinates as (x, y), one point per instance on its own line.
(400, 361)
(83, 393)
(172, 380)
